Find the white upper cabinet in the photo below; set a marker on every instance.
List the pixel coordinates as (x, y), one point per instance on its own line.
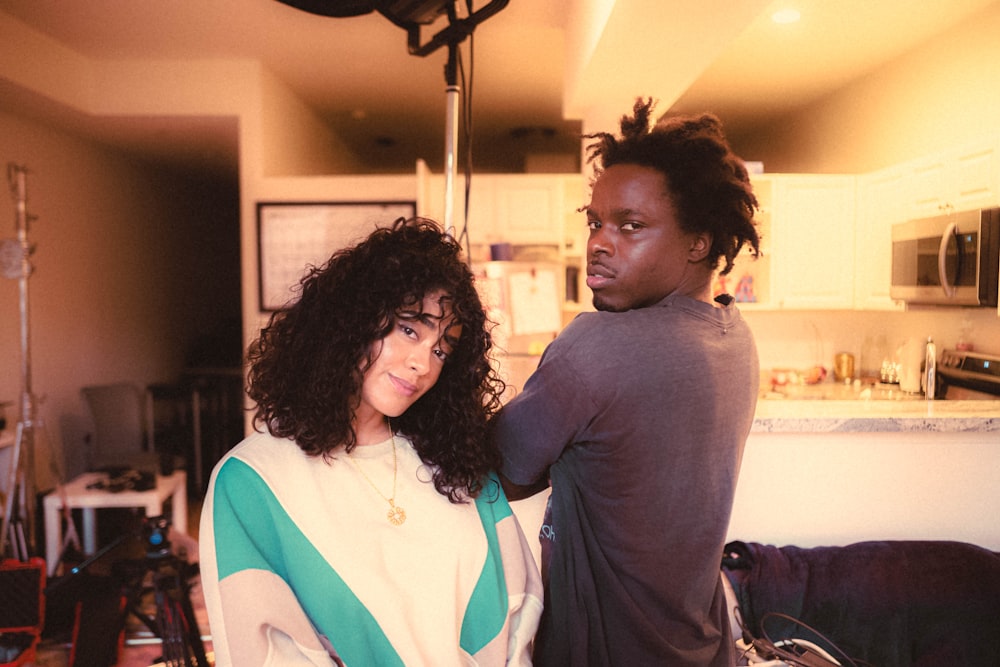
(812, 227)
(520, 209)
(827, 239)
(806, 227)
(881, 204)
(964, 177)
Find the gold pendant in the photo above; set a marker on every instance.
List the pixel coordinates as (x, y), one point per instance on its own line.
(396, 514)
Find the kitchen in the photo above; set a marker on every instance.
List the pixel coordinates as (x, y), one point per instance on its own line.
(915, 108)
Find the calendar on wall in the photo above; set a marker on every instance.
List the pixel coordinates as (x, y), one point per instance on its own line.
(292, 236)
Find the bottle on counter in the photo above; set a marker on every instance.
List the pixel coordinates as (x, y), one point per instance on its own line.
(912, 355)
(930, 369)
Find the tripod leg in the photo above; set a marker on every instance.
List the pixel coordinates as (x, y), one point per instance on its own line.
(191, 625)
(178, 627)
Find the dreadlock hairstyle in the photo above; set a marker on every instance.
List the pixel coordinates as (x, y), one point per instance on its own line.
(307, 367)
(707, 183)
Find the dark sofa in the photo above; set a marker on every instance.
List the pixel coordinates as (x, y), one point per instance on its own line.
(888, 604)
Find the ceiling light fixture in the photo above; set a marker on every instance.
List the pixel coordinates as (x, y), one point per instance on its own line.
(787, 15)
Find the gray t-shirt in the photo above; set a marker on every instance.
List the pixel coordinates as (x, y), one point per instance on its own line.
(640, 419)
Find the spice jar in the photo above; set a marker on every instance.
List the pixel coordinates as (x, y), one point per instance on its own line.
(843, 367)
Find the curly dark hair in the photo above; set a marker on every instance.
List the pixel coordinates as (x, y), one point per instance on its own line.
(307, 367)
(708, 184)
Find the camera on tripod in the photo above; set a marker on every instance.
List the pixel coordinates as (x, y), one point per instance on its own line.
(155, 536)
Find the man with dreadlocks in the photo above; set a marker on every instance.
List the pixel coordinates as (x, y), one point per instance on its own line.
(638, 413)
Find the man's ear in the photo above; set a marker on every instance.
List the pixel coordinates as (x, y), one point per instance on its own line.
(701, 244)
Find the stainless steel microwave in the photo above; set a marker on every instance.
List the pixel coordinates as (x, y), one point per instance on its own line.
(950, 259)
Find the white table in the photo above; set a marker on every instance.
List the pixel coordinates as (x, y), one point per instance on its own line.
(78, 496)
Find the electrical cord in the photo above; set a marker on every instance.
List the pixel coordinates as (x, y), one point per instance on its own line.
(793, 652)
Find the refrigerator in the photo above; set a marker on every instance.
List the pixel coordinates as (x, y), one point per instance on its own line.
(523, 301)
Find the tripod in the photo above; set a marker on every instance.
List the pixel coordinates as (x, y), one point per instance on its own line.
(173, 620)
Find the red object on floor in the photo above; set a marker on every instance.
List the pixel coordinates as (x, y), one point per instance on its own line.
(22, 610)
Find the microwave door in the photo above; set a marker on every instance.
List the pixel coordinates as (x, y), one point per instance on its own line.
(937, 261)
(951, 233)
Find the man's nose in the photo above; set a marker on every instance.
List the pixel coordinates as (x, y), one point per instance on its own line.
(599, 242)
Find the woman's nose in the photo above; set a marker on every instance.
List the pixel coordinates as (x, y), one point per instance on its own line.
(419, 359)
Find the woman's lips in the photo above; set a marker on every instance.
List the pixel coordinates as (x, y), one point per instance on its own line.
(402, 386)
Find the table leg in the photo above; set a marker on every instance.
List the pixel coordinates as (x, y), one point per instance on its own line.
(89, 530)
(180, 506)
(53, 537)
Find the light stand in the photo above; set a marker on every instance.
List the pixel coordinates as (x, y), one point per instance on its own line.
(15, 255)
(453, 35)
(452, 95)
(410, 15)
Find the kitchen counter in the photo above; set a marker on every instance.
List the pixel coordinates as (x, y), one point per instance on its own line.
(833, 472)
(789, 415)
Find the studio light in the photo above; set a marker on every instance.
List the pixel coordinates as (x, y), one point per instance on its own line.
(409, 15)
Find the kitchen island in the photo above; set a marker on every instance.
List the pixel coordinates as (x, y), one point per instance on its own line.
(864, 416)
(834, 472)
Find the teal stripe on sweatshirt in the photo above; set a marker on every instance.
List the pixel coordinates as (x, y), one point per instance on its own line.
(260, 535)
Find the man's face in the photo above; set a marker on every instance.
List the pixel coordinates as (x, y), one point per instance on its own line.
(637, 253)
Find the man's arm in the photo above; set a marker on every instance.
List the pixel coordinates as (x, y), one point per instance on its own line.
(519, 491)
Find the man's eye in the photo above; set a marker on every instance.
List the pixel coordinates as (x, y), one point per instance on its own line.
(594, 224)
(631, 226)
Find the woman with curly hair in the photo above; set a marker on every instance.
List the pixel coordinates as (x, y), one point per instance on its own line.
(362, 524)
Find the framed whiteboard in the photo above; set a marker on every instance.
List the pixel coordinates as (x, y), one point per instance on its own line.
(292, 236)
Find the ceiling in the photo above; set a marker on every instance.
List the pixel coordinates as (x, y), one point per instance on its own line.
(390, 107)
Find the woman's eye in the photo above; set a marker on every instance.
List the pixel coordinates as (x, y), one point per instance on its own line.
(407, 330)
(441, 354)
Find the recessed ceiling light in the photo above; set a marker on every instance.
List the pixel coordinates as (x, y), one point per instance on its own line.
(788, 15)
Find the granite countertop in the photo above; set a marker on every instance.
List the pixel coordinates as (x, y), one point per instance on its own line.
(790, 415)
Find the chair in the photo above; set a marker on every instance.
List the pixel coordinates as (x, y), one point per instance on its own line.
(120, 433)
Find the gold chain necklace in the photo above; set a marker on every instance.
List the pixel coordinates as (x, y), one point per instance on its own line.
(396, 514)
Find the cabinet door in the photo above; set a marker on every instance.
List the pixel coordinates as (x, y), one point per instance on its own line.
(481, 221)
(480, 224)
(961, 178)
(529, 209)
(976, 175)
(521, 209)
(813, 227)
(880, 206)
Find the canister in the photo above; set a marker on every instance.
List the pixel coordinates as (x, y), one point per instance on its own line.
(843, 367)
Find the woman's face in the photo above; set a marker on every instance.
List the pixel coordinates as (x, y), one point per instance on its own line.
(408, 361)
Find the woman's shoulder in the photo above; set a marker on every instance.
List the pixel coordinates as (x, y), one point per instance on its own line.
(263, 451)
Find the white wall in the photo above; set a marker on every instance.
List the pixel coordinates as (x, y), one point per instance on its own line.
(116, 245)
(944, 92)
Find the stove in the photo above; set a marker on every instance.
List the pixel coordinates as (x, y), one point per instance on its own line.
(968, 376)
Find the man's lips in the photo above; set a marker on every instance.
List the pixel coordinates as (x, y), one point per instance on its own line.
(598, 276)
